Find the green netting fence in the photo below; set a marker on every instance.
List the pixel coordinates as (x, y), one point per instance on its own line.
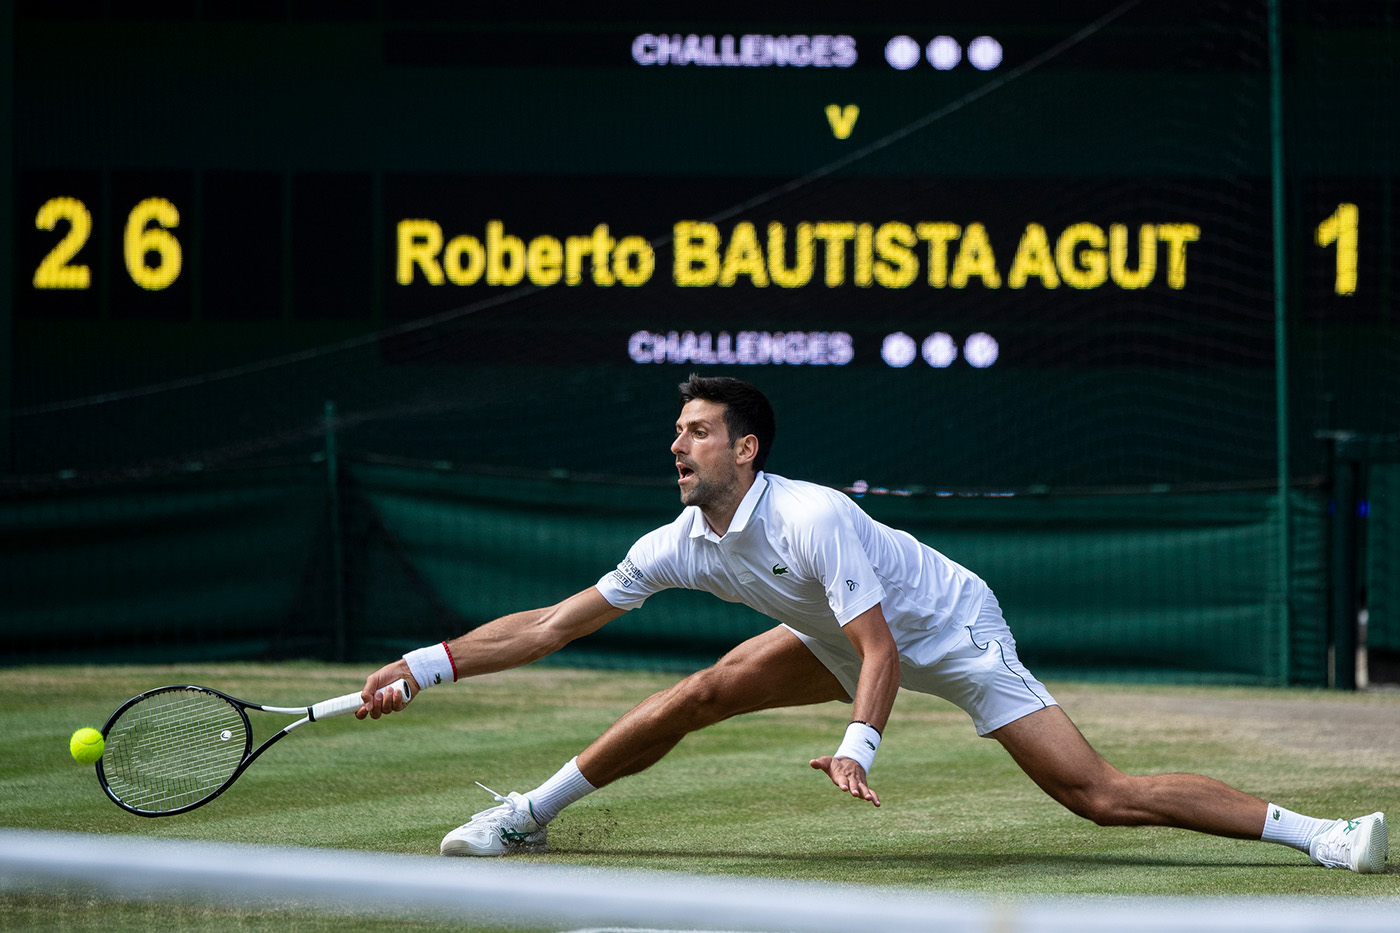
(1382, 582)
(1161, 586)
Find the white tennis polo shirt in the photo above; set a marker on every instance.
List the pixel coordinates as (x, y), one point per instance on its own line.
(807, 556)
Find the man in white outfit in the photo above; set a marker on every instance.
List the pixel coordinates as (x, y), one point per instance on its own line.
(862, 610)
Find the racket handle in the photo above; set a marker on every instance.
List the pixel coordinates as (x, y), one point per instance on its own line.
(339, 706)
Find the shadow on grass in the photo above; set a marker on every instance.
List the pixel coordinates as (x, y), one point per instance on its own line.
(943, 863)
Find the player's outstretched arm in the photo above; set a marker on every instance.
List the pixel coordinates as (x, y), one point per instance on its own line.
(875, 694)
(507, 642)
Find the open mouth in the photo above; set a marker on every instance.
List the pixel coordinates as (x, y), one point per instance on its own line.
(685, 472)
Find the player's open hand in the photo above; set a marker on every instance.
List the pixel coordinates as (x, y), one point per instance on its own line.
(846, 774)
(377, 701)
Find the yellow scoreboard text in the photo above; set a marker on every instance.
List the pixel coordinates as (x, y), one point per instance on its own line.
(829, 254)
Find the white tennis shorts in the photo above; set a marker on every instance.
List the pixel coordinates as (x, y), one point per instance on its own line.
(980, 674)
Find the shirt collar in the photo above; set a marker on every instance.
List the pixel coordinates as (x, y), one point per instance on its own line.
(699, 528)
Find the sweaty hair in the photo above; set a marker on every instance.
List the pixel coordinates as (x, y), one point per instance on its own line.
(746, 410)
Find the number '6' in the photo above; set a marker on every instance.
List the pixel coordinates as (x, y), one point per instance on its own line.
(147, 234)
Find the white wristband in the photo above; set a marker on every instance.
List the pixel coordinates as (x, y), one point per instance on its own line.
(431, 665)
(860, 743)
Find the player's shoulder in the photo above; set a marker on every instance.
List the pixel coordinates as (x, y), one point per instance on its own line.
(803, 490)
(673, 533)
(800, 501)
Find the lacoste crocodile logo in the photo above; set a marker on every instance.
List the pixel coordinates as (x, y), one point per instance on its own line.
(779, 570)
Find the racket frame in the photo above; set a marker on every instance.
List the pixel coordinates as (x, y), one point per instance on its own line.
(326, 709)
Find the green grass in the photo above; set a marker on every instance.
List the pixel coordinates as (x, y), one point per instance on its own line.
(735, 799)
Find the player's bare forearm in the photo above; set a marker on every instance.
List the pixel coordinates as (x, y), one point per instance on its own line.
(879, 668)
(875, 694)
(510, 641)
(523, 637)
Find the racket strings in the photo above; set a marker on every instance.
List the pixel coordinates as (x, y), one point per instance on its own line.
(173, 749)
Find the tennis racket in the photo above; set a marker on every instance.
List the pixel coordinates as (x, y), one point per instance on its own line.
(175, 748)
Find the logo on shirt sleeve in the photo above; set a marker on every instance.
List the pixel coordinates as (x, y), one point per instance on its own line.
(627, 573)
(852, 585)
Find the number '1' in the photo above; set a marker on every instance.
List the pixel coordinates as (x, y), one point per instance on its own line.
(1341, 228)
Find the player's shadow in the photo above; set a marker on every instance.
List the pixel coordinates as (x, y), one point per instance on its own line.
(940, 862)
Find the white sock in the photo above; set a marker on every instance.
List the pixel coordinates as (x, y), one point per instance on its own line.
(1292, 829)
(567, 786)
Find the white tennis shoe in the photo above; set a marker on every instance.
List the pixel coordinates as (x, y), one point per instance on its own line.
(1361, 844)
(505, 829)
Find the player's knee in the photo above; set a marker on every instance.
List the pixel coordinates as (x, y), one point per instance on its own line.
(1096, 808)
(1106, 804)
(703, 698)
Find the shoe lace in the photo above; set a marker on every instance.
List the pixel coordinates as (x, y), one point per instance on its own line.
(505, 808)
(1333, 846)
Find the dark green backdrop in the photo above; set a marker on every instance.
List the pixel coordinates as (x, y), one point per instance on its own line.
(1165, 586)
(1143, 474)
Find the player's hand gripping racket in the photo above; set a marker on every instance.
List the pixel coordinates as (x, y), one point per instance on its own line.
(175, 748)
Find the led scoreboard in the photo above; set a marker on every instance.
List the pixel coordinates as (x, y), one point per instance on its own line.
(818, 195)
(1027, 189)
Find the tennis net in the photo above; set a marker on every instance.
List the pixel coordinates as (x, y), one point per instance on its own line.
(516, 895)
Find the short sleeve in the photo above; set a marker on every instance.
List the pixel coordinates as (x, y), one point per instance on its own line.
(837, 557)
(648, 568)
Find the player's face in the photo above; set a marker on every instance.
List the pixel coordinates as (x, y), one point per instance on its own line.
(705, 456)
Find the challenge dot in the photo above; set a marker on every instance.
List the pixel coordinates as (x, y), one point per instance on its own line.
(902, 52)
(898, 350)
(944, 52)
(939, 350)
(981, 350)
(984, 53)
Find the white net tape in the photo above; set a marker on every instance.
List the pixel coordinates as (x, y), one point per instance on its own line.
(578, 898)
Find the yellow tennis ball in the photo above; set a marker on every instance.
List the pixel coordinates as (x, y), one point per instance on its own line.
(86, 745)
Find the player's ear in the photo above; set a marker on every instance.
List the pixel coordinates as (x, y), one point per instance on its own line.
(746, 450)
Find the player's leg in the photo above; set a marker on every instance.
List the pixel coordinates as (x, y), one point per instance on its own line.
(984, 676)
(1053, 752)
(768, 671)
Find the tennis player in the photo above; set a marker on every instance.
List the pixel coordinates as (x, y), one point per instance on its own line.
(862, 609)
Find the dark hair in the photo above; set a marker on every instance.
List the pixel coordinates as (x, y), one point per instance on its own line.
(746, 410)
